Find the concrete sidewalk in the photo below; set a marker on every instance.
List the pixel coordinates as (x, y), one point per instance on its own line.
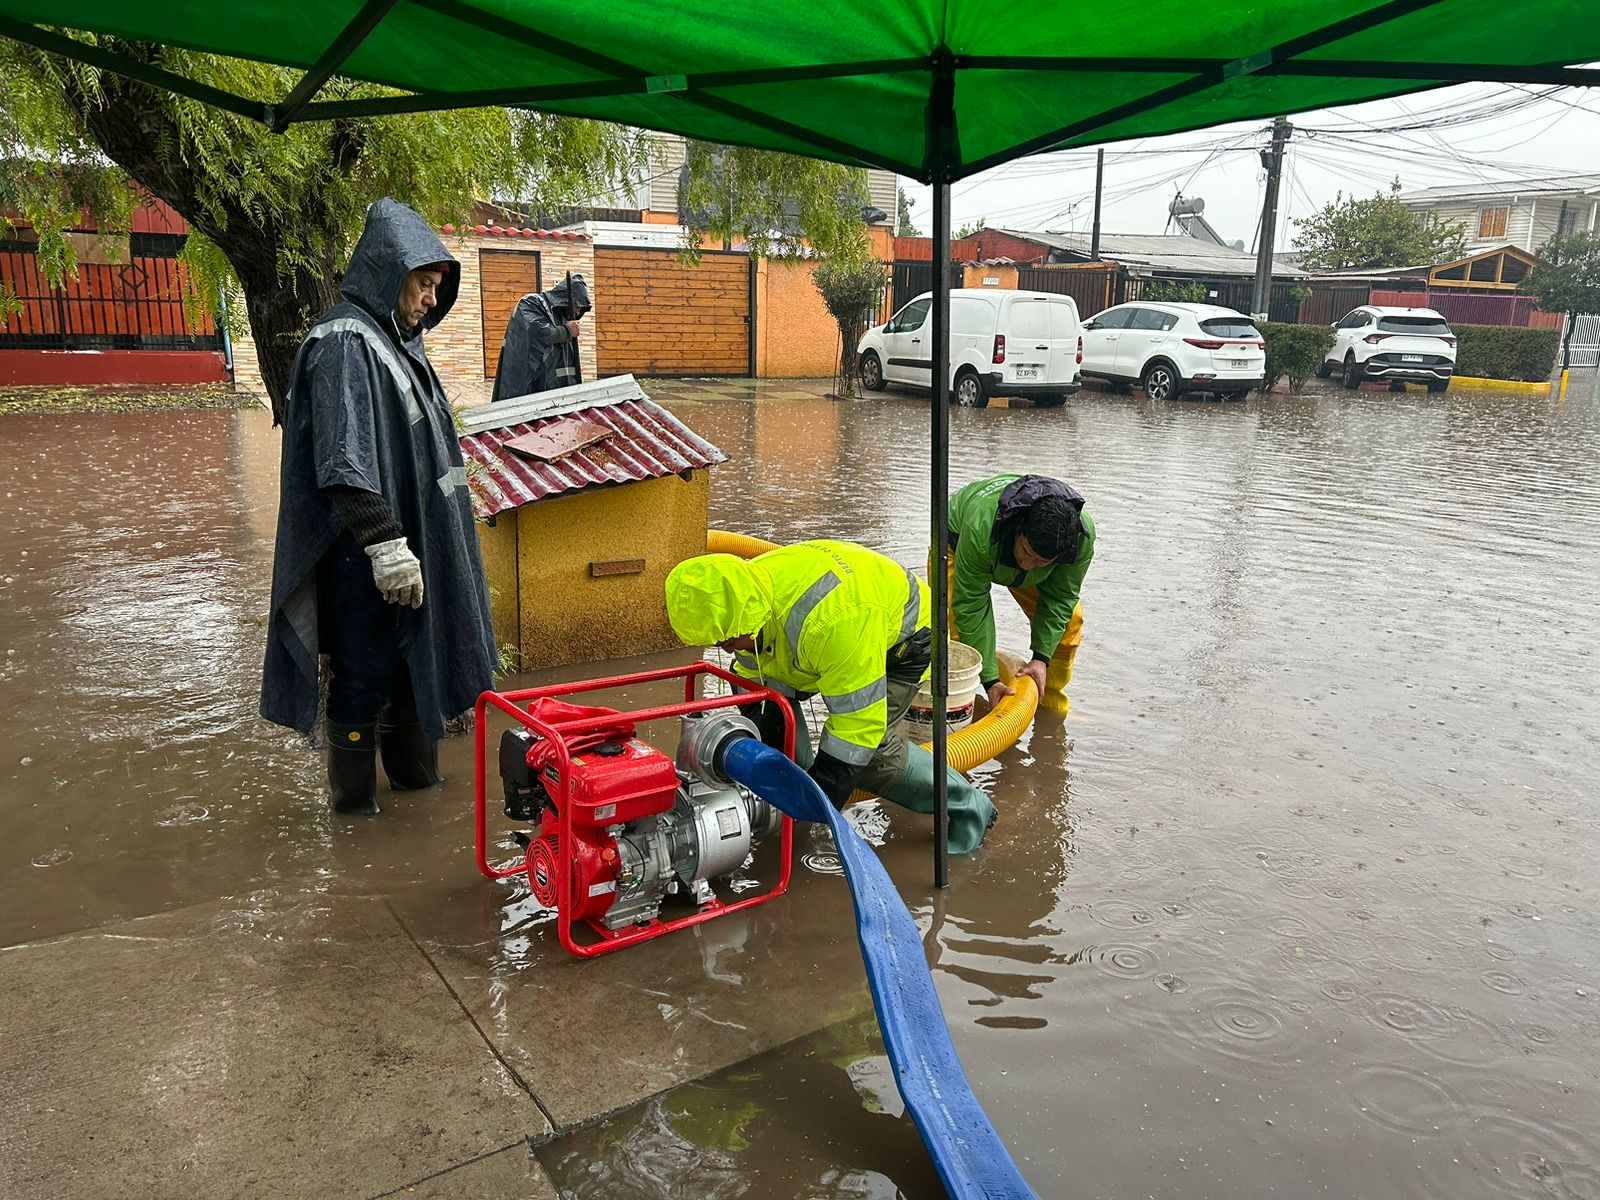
(317, 1045)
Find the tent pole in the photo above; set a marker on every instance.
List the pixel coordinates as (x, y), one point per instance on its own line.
(941, 140)
(940, 525)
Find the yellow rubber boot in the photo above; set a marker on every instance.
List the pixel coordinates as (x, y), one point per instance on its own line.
(1059, 671)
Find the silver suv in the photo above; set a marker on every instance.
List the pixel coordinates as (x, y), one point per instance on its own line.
(1395, 344)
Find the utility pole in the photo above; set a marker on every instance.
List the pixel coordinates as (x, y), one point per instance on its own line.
(1099, 178)
(1272, 160)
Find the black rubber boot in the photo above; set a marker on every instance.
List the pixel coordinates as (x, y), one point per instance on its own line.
(409, 759)
(353, 768)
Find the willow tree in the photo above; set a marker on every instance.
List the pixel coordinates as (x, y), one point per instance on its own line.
(792, 209)
(778, 205)
(273, 216)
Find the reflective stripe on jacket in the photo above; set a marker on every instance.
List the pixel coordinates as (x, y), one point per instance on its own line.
(824, 614)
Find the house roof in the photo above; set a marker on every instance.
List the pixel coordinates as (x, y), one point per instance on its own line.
(1424, 270)
(1158, 252)
(1563, 185)
(647, 442)
(511, 231)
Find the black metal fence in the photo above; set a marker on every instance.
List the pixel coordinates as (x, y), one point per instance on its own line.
(133, 305)
(1283, 303)
(1326, 304)
(908, 278)
(1091, 288)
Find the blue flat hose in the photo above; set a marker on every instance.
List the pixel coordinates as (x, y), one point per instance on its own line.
(971, 1159)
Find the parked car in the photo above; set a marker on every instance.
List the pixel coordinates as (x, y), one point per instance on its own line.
(1397, 344)
(1169, 348)
(1002, 343)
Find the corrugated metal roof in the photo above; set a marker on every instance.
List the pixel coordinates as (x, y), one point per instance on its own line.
(1158, 252)
(648, 443)
(1572, 185)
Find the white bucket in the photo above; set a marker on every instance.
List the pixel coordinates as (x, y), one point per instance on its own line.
(965, 672)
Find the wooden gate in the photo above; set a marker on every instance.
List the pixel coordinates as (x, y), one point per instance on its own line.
(504, 277)
(654, 316)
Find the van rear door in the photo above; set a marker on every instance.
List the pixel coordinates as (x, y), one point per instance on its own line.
(1028, 340)
(1064, 334)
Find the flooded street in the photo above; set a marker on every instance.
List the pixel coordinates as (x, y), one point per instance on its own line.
(1299, 900)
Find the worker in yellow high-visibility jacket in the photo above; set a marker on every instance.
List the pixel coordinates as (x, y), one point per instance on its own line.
(837, 620)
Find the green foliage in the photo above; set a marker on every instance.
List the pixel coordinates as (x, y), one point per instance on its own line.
(1293, 350)
(1567, 279)
(904, 226)
(779, 205)
(852, 290)
(971, 230)
(1190, 291)
(280, 211)
(1506, 352)
(1374, 233)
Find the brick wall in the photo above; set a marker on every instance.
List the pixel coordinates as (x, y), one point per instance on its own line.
(455, 346)
(992, 243)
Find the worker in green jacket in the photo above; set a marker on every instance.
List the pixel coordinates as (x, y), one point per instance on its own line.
(1030, 533)
(837, 620)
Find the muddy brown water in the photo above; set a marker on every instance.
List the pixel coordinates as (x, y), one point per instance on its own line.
(1299, 900)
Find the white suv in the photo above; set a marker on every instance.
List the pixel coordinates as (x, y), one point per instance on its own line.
(1396, 344)
(1172, 348)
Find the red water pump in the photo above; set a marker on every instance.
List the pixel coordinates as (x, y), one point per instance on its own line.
(621, 826)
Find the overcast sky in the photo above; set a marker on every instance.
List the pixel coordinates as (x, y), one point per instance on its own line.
(1471, 133)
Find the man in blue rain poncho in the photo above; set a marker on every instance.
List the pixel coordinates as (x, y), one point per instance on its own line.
(377, 563)
(540, 350)
(837, 620)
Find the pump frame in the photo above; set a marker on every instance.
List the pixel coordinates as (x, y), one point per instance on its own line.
(512, 704)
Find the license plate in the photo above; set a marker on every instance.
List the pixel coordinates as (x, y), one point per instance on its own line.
(1027, 372)
(1411, 358)
(1239, 362)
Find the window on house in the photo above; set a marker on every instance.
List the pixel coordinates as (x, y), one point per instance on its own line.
(1492, 222)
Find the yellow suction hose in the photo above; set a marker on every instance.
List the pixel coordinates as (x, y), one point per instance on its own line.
(985, 738)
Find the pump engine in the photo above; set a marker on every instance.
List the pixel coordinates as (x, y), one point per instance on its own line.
(640, 827)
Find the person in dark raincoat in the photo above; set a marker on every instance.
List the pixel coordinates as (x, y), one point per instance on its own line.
(377, 564)
(1029, 533)
(540, 350)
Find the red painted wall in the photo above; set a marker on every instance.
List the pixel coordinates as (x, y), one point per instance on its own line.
(93, 368)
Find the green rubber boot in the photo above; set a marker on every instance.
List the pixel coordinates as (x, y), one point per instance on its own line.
(971, 812)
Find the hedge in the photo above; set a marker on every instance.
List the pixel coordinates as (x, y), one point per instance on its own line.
(1293, 350)
(1506, 352)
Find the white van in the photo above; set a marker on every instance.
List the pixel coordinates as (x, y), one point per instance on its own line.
(1002, 343)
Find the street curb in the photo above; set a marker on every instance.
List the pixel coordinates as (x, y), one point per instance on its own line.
(1473, 384)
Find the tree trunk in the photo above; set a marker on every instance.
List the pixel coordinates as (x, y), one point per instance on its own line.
(132, 124)
(844, 383)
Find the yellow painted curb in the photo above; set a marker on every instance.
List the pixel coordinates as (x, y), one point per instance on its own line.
(1471, 384)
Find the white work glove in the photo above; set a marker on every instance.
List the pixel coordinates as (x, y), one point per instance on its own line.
(397, 572)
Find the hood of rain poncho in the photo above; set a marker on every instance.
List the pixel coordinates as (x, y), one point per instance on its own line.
(717, 596)
(395, 242)
(1015, 501)
(571, 302)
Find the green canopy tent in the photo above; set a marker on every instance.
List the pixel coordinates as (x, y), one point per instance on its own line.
(932, 89)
